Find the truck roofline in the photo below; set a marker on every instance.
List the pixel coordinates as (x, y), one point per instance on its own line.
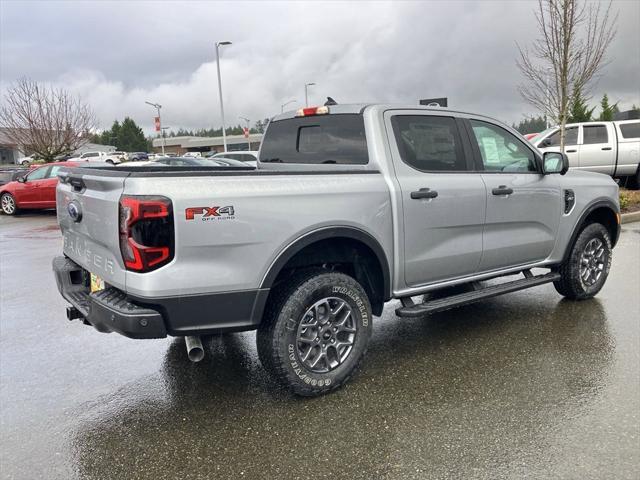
(359, 108)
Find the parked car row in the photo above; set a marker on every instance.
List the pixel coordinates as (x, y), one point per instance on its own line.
(92, 156)
(35, 189)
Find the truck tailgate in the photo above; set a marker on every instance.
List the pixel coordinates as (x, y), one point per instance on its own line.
(88, 208)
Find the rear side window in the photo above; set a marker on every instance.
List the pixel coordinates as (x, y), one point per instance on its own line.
(322, 139)
(53, 172)
(630, 130)
(594, 134)
(429, 143)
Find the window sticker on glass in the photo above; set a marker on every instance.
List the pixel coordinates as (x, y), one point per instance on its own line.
(490, 147)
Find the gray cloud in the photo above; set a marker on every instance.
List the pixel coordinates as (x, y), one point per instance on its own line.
(117, 55)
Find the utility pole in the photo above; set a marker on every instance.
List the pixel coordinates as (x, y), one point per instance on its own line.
(224, 133)
(157, 106)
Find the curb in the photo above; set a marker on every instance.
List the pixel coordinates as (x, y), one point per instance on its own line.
(630, 217)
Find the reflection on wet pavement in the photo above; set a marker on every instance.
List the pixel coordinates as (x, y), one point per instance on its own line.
(522, 385)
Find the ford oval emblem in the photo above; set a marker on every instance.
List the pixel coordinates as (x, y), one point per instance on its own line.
(75, 212)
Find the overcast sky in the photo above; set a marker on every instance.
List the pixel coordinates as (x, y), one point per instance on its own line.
(116, 55)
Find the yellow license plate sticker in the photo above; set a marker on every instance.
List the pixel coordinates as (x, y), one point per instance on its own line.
(97, 283)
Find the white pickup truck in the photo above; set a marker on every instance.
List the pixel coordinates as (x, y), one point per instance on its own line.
(612, 148)
(107, 157)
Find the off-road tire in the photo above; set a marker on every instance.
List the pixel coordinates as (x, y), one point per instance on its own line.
(277, 339)
(4, 208)
(571, 284)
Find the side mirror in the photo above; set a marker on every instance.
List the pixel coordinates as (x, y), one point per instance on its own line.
(21, 179)
(545, 143)
(554, 162)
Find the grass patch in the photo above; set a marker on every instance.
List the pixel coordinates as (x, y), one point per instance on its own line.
(629, 200)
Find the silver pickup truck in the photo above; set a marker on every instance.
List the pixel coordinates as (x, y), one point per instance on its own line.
(351, 206)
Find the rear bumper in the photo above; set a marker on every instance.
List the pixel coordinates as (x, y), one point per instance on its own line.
(108, 310)
(111, 310)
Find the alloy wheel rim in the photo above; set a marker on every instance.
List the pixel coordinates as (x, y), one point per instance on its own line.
(326, 335)
(592, 262)
(8, 205)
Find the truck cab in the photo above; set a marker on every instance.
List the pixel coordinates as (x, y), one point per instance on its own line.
(611, 148)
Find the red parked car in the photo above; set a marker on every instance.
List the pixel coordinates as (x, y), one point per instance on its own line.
(36, 190)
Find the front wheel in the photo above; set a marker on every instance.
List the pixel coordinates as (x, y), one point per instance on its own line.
(315, 332)
(8, 204)
(585, 271)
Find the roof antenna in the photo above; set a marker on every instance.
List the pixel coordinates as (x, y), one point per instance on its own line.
(330, 101)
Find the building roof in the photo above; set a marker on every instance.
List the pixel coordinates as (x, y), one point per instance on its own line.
(4, 138)
(199, 142)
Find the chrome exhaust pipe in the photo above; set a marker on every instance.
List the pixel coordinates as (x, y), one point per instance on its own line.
(195, 351)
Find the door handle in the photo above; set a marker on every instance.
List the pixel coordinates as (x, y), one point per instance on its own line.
(424, 193)
(502, 190)
(572, 151)
(606, 148)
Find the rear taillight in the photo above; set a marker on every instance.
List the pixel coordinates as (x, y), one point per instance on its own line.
(146, 232)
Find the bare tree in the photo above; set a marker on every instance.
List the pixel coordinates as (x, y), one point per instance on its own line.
(574, 36)
(44, 120)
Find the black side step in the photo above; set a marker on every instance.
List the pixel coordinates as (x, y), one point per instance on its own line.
(470, 297)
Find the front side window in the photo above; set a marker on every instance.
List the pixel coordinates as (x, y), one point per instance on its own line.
(594, 134)
(429, 143)
(38, 174)
(571, 138)
(500, 150)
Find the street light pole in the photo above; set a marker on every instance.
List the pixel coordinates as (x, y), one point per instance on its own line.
(306, 93)
(164, 138)
(157, 106)
(285, 104)
(248, 132)
(224, 133)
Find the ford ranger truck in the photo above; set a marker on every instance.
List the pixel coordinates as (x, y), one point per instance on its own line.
(351, 206)
(612, 148)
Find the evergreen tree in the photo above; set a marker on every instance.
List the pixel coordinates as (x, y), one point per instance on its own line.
(531, 125)
(127, 137)
(608, 111)
(579, 110)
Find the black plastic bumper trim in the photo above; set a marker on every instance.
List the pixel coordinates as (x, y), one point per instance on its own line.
(111, 310)
(108, 310)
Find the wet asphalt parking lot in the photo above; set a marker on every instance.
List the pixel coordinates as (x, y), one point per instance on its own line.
(522, 386)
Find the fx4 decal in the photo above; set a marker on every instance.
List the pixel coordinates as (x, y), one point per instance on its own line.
(210, 213)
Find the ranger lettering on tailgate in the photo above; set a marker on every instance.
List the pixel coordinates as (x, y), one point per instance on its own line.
(78, 246)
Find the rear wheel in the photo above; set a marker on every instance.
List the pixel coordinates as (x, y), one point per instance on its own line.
(634, 181)
(8, 204)
(586, 269)
(315, 332)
